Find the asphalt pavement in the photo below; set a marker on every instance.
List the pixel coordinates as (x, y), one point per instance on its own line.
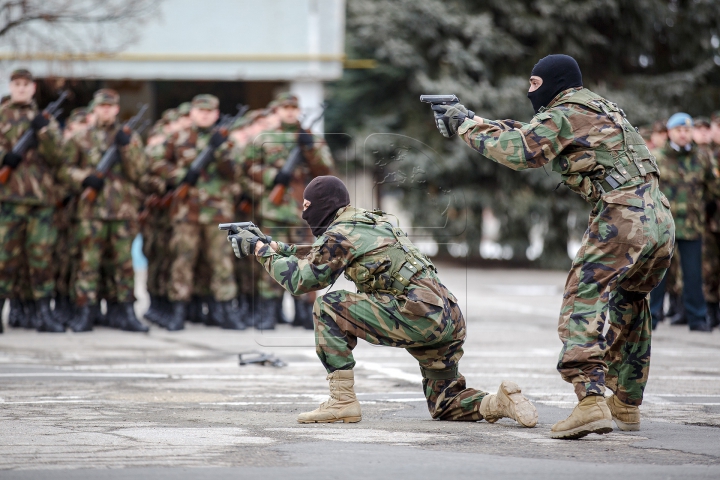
(116, 405)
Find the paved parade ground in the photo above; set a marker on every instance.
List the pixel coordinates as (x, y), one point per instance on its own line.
(178, 405)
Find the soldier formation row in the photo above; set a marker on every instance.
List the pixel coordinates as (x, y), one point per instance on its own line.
(75, 200)
(687, 151)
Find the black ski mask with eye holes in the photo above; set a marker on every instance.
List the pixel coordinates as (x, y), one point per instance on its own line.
(327, 195)
(558, 72)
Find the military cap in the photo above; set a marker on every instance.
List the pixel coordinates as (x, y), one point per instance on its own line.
(21, 73)
(679, 119)
(701, 122)
(78, 114)
(184, 109)
(170, 115)
(205, 101)
(286, 99)
(106, 96)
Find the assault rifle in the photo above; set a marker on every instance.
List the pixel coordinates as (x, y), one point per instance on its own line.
(26, 139)
(111, 156)
(204, 158)
(296, 156)
(437, 100)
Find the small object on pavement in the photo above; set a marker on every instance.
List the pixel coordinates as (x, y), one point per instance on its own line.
(260, 358)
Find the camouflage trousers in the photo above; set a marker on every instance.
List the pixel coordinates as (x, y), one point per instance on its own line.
(105, 268)
(192, 243)
(290, 234)
(341, 317)
(673, 277)
(65, 256)
(157, 235)
(711, 266)
(624, 254)
(27, 239)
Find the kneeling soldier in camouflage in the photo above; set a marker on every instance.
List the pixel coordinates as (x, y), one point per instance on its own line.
(400, 303)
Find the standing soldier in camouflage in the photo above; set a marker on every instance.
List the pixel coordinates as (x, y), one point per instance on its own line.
(400, 302)
(689, 179)
(626, 248)
(106, 227)
(209, 201)
(711, 243)
(263, 164)
(27, 203)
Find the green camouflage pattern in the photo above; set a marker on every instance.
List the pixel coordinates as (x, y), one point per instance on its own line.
(711, 266)
(267, 287)
(27, 236)
(263, 159)
(105, 268)
(625, 250)
(121, 197)
(33, 182)
(65, 255)
(689, 180)
(212, 199)
(425, 320)
(157, 234)
(624, 254)
(190, 241)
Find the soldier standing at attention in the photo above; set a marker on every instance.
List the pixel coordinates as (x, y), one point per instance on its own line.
(625, 250)
(400, 302)
(209, 201)
(27, 204)
(689, 179)
(263, 162)
(107, 226)
(711, 244)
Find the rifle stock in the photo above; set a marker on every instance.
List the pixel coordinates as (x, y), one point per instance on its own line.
(5, 172)
(277, 194)
(181, 191)
(89, 195)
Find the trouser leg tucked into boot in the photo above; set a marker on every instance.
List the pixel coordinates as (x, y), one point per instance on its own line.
(342, 406)
(627, 417)
(177, 317)
(126, 320)
(45, 321)
(591, 415)
(82, 321)
(509, 402)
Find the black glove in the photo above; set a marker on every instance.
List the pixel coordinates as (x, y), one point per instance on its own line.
(121, 138)
(305, 140)
(243, 243)
(12, 160)
(191, 177)
(216, 140)
(282, 178)
(711, 208)
(94, 182)
(39, 122)
(449, 117)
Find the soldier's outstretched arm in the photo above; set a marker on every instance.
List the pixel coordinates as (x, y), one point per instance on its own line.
(319, 269)
(519, 145)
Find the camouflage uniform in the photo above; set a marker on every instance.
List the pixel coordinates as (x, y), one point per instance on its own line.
(262, 162)
(417, 313)
(689, 179)
(711, 244)
(626, 248)
(196, 217)
(106, 227)
(27, 206)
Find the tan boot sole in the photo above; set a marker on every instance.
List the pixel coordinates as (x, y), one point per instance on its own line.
(525, 411)
(334, 420)
(627, 427)
(598, 426)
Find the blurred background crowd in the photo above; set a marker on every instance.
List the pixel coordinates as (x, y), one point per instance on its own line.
(367, 61)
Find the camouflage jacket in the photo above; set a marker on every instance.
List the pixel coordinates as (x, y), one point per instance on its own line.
(263, 159)
(713, 207)
(582, 143)
(358, 249)
(688, 180)
(33, 182)
(120, 199)
(212, 199)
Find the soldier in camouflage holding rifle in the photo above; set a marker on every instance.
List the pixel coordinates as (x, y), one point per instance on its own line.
(400, 302)
(626, 248)
(27, 204)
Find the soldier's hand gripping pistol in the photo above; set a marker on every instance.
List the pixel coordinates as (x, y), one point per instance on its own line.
(449, 113)
(244, 236)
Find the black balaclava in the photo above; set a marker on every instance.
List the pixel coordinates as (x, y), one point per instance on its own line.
(558, 72)
(327, 194)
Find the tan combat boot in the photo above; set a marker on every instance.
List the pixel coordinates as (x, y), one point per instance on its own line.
(627, 417)
(342, 406)
(591, 415)
(509, 402)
